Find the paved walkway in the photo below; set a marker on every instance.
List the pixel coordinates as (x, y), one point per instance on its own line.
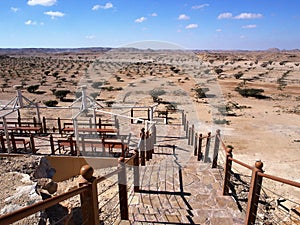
(177, 189)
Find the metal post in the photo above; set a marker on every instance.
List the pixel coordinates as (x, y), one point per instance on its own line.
(123, 199)
(227, 171)
(44, 125)
(216, 149)
(131, 115)
(254, 194)
(192, 134)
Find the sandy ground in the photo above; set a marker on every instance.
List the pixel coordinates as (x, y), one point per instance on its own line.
(265, 128)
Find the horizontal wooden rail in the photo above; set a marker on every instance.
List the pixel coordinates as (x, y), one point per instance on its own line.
(241, 163)
(279, 179)
(29, 210)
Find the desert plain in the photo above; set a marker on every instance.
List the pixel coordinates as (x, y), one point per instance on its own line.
(253, 97)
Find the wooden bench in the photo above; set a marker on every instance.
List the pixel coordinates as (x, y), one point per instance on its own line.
(15, 142)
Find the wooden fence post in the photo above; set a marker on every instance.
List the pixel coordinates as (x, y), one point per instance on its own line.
(192, 134)
(122, 179)
(216, 149)
(2, 143)
(227, 171)
(207, 147)
(136, 171)
(14, 146)
(187, 129)
(32, 145)
(89, 199)
(44, 125)
(131, 115)
(189, 135)
(195, 147)
(199, 154)
(182, 119)
(254, 194)
(59, 125)
(52, 145)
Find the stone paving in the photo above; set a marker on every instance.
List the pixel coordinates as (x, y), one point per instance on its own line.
(177, 189)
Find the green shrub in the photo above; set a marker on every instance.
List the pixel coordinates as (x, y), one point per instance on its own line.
(155, 93)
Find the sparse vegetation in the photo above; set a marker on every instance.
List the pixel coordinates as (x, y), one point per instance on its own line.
(251, 92)
(33, 88)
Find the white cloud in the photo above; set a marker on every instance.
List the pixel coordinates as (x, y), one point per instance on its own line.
(14, 9)
(41, 2)
(200, 6)
(219, 30)
(108, 5)
(30, 22)
(242, 37)
(96, 7)
(154, 14)
(54, 14)
(226, 15)
(140, 20)
(250, 26)
(183, 17)
(249, 16)
(191, 26)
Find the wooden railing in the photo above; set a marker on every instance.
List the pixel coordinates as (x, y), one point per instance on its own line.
(88, 194)
(213, 145)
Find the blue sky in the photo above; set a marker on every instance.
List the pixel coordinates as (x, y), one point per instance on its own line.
(192, 24)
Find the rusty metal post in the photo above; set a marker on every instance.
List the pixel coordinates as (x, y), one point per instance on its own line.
(136, 171)
(52, 145)
(254, 194)
(216, 149)
(89, 199)
(32, 145)
(199, 154)
(44, 125)
(227, 171)
(207, 147)
(122, 180)
(196, 144)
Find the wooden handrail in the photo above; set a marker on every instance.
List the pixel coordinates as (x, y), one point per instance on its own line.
(279, 179)
(29, 210)
(241, 163)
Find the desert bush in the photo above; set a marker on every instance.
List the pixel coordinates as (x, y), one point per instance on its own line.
(109, 103)
(94, 95)
(97, 85)
(33, 88)
(264, 64)
(221, 121)
(250, 92)
(200, 92)
(238, 75)
(61, 94)
(218, 70)
(51, 103)
(155, 93)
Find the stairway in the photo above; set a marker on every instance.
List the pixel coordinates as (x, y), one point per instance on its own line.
(175, 188)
